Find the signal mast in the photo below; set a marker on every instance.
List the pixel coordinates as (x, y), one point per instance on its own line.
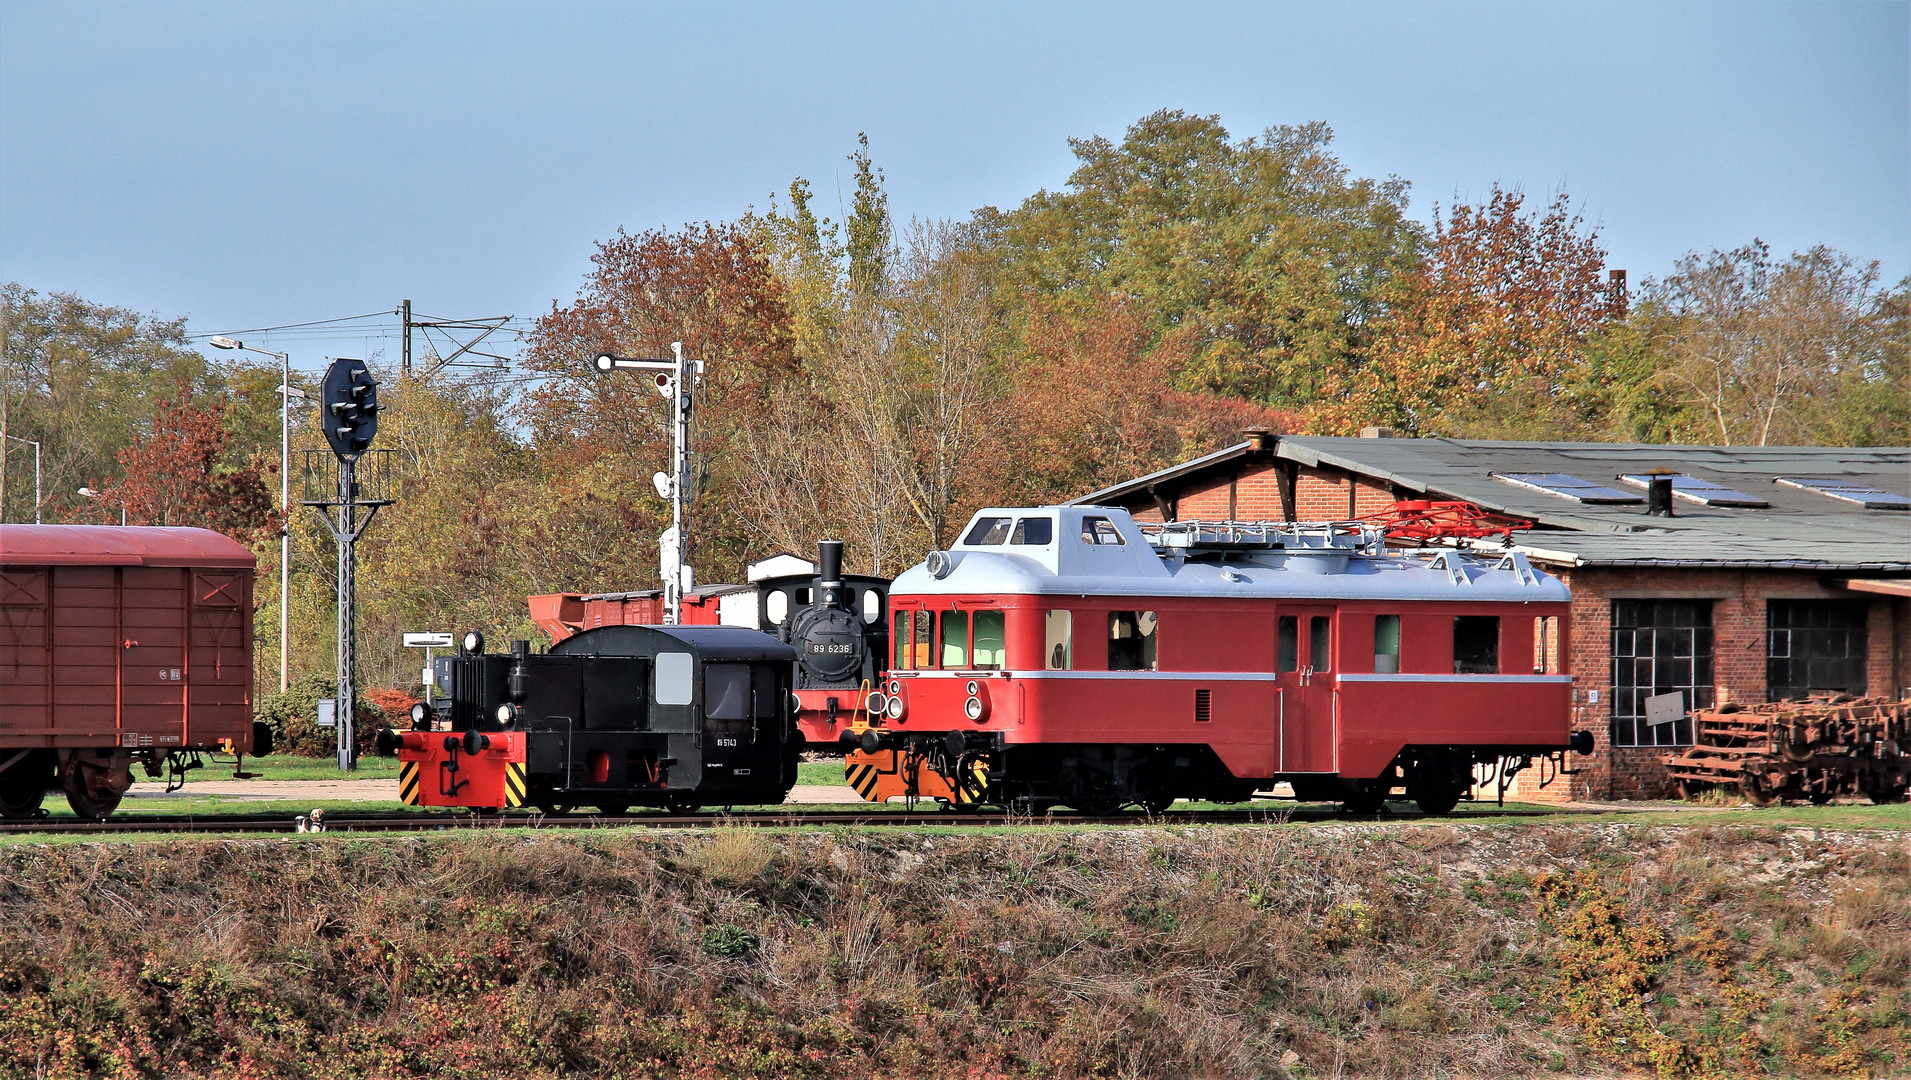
(676, 379)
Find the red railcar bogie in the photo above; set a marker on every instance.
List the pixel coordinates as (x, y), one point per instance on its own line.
(1073, 657)
(118, 644)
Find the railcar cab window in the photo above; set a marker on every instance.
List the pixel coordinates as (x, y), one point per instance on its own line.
(1320, 644)
(1476, 645)
(1033, 532)
(1386, 644)
(1288, 646)
(1100, 530)
(777, 606)
(955, 639)
(914, 639)
(1131, 641)
(991, 641)
(1059, 654)
(872, 606)
(987, 531)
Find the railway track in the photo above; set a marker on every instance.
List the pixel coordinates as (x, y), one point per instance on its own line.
(435, 821)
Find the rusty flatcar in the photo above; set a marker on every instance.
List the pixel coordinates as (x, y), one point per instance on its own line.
(119, 644)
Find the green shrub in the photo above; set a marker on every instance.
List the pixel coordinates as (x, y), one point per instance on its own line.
(293, 716)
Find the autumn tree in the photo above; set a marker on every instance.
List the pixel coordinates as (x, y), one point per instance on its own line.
(175, 474)
(1786, 351)
(1264, 250)
(1485, 336)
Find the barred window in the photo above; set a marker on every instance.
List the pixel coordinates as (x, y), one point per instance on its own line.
(1659, 647)
(1814, 647)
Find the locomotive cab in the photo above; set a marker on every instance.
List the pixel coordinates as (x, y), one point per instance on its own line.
(677, 716)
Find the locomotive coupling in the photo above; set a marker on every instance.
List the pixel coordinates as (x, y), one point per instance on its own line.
(475, 741)
(1581, 742)
(388, 741)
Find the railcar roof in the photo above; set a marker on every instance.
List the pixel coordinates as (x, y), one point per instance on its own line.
(119, 545)
(1069, 566)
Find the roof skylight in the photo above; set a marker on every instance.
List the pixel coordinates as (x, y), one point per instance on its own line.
(1700, 490)
(1849, 491)
(1568, 487)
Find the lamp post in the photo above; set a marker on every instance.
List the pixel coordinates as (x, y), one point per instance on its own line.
(36, 476)
(286, 393)
(95, 494)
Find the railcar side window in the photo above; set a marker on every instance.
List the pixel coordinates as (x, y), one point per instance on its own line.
(1320, 644)
(674, 675)
(1033, 531)
(1131, 641)
(1387, 644)
(1289, 646)
(955, 639)
(925, 640)
(991, 640)
(899, 640)
(1060, 626)
(1476, 645)
(1100, 530)
(989, 530)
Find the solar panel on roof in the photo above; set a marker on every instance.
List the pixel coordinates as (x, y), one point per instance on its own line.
(1567, 487)
(1848, 491)
(1700, 490)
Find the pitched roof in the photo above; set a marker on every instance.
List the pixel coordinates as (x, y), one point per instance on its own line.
(1801, 529)
(119, 545)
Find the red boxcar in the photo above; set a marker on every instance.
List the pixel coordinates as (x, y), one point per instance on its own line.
(118, 643)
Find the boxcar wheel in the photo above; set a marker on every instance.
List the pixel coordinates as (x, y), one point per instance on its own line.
(92, 789)
(23, 787)
(1437, 803)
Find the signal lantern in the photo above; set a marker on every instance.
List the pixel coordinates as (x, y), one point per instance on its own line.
(348, 399)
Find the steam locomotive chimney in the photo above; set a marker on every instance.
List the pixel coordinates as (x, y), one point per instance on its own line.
(829, 569)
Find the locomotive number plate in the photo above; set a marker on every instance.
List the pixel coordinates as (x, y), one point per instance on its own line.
(726, 742)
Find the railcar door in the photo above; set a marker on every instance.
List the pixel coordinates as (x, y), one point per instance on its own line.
(1304, 672)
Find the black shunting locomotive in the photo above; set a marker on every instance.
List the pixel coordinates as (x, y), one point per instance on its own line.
(678, 717)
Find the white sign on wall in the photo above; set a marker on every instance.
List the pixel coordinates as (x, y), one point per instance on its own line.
(1663, 709)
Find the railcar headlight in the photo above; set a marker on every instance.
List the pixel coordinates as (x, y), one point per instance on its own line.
(507, 714)
(974, 688)
(974, 709)
(473, 643)
(877, 704)
(894, 688)
(894, 709)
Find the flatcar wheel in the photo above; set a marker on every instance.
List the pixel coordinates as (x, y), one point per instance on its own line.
(1755, 790)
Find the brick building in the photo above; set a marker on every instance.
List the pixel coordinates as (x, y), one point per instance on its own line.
(1779, 570)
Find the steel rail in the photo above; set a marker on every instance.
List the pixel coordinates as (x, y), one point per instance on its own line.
(436, 821)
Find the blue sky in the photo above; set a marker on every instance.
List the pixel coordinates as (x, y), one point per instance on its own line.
(252, 164)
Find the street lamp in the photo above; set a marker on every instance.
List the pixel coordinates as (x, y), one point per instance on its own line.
(93, 494)
(36, 475)
(286, 393)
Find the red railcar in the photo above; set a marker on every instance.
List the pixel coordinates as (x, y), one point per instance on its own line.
(1064, 654)
(118, 644)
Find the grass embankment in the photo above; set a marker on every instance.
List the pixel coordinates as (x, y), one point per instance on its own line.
(1403, 950)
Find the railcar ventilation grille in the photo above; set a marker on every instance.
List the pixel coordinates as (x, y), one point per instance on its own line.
(1203, 706)
(1847, 491)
